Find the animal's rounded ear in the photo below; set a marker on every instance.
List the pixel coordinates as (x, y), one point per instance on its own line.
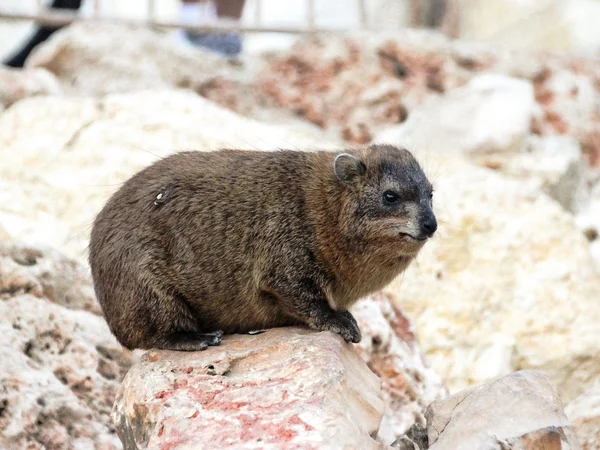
(348, 167)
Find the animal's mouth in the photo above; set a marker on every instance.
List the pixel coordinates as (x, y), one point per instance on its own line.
(415, 238)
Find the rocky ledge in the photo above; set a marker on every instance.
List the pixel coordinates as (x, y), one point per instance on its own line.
(288, 386)
(296, 388)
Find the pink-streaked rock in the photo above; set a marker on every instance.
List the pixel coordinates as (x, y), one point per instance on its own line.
(360, 84)
(284, 388)
(390, 349)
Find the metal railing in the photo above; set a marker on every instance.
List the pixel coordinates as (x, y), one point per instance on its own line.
(57, 17)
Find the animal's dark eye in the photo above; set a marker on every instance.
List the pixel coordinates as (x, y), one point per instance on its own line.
(390, 197)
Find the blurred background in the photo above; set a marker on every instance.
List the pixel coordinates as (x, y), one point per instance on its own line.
(499, 100)
(532, 24)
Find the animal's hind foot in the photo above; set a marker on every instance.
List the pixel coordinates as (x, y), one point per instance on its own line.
(212, 338)
(188, 341)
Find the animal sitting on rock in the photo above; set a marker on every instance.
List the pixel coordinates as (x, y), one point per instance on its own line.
(204, 243)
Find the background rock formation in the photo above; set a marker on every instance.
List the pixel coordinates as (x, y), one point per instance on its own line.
(60, 366)
(521, 411)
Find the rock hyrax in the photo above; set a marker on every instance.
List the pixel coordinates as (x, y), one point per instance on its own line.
(201, 243)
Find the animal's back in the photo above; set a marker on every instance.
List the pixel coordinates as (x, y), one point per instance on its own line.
(202, 224)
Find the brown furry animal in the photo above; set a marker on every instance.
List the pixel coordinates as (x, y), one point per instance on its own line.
(202, 243)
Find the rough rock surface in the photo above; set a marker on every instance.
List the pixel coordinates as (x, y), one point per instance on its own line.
(63, 157)
(16, 84)
(584, 414)
(351, 83)
(45, 273)
(490, 114)
(354, 85)
(499, 287)
(60, 366)
(552, 164)
(284, 388)
(361, 84)
(519, 411)
(390, 349)
(87, 59)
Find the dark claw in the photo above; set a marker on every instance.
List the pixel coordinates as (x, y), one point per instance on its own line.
(344, 324)
(212, 338)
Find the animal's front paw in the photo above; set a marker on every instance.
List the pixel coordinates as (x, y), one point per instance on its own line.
(344, 324)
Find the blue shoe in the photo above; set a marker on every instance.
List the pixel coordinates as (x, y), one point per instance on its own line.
(226, 44)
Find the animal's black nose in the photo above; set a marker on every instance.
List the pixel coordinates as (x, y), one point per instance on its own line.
(429, 225)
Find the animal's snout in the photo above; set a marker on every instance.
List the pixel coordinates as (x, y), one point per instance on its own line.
(428, 225)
